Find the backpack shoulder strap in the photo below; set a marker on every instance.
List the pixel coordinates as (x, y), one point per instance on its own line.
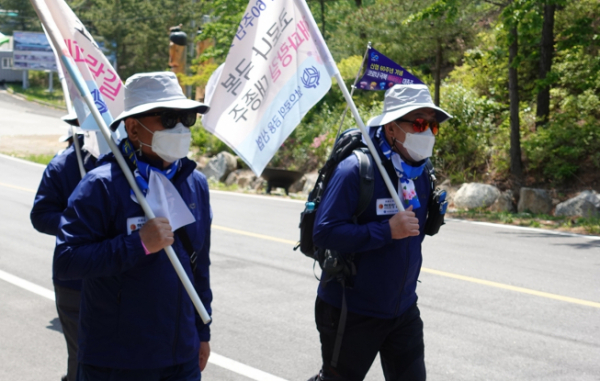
(367, 177)
(431, 172)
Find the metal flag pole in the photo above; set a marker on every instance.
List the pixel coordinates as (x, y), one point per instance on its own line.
(44, 15)
(65, 88)
(335, 73)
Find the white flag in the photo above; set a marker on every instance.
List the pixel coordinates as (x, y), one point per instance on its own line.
(101, 78)
(276, 70)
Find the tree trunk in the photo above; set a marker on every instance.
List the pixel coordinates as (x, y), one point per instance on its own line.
(358, 3)
(513, 87)
(438, 72)
(546, 53)
(323, 18)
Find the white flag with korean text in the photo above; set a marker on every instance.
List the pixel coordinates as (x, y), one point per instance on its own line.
(101, 78)
(277, 69)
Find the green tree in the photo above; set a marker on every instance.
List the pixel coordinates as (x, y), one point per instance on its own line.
(19, 15)
(137, 31)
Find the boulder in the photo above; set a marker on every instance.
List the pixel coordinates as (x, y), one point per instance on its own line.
(536, 201)
(450, 191)
(298, 186)
(220, 166)
(309, 183)
(232, 178)
(245, 178)
(585, 204)
(504, 203)
(475, 195)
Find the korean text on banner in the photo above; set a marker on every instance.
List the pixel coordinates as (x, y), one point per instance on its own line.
(100, 77)
(274, 74)
(381, 73)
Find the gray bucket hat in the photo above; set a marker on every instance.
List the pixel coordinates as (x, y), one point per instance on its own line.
(148, 91)
(401, 99)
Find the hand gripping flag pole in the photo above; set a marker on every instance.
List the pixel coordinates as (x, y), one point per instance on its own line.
(334, 72)
(50, 25)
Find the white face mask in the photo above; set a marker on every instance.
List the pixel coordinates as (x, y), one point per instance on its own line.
(170, 144)
(419, 145)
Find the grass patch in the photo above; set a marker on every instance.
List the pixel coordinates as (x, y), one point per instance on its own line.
(580, 225)
(40, 94)
(40, 159)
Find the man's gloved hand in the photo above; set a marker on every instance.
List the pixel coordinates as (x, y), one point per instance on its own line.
(156, 234)
(404, 224)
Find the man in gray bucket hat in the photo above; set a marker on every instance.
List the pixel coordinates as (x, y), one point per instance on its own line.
(136, 320)
(373, 308)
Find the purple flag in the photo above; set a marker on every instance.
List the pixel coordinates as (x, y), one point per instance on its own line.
(382, 73)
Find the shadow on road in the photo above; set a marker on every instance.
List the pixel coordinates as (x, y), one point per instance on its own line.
(54, 325)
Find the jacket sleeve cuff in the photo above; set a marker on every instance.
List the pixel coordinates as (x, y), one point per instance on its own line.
(203, 330)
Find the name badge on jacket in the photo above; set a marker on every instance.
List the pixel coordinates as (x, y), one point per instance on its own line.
(135, 223)
(386, 206)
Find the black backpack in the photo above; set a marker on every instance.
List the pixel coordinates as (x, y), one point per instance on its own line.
(349, 142)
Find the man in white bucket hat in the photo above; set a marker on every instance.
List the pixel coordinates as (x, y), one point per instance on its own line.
(137, 322)
(381, 247)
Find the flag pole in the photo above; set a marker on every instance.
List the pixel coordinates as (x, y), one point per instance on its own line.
(335, 73)
(43, 13)
(353, 88)
(65, 88)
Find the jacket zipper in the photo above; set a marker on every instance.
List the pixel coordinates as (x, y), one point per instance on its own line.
(404, 277)
(177, 325)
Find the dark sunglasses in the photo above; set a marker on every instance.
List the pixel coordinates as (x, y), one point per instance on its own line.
(421, 125)
(169, 118)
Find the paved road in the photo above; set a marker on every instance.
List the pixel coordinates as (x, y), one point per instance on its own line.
(20, 117)
(498, 303)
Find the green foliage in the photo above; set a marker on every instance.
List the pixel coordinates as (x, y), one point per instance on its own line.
(137, 31)
(464, 141)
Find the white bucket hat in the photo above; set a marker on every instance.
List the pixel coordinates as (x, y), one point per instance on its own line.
(148, 91)
(401, 99)
(71, 118)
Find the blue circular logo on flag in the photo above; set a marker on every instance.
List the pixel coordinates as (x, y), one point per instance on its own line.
(310, 77)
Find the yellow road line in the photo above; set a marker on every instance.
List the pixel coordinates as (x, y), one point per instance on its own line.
(423, 269)
(442, 273)
(513, 288)
(17, 187)
(249, 234)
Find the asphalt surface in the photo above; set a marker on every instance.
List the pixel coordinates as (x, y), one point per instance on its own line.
(20, 117)
(498, 303)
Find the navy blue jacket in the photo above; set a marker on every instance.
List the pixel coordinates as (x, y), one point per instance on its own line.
(387, 269)
(135, 313)
(58, 182)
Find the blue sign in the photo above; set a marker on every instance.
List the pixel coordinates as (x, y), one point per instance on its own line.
(382, 73)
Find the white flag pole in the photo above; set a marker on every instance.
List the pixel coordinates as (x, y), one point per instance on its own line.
(65, 88)
(334, 72)
(43, 14)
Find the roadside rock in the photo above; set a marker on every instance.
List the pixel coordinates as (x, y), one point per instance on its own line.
(475, 195)
(504, 203)
(220, 166)
(298, 186)
(585, 204)
(309, 183)
(232, 178)
(536, 201)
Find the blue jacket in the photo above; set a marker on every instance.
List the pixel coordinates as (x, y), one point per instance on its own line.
(387, 270)
(135, 313)
(58, 182)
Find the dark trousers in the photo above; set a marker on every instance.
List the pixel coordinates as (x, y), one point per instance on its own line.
(398, 341)
(68, 301)
(189, 371)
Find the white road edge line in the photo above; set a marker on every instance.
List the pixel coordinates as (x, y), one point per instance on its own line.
(22, 160)
(215, 359)
(227, 193)
(536, 230)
